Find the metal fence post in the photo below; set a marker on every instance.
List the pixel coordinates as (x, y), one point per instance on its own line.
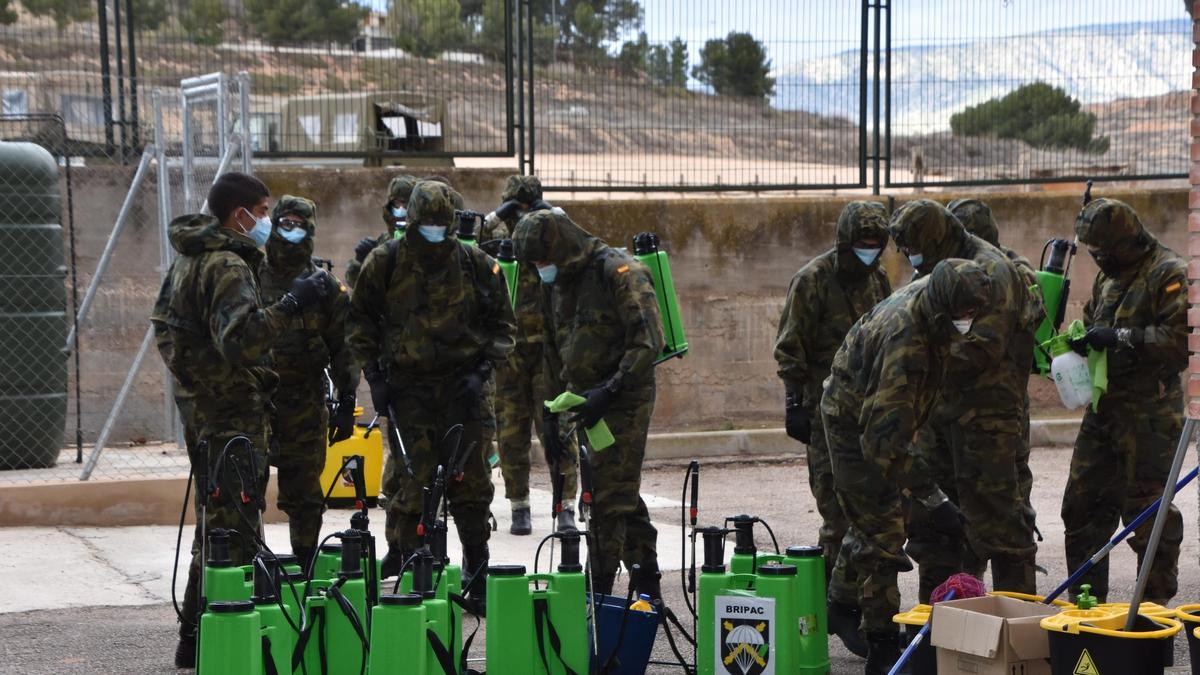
(243, 80)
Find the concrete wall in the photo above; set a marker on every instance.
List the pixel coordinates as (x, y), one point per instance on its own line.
(732, 260)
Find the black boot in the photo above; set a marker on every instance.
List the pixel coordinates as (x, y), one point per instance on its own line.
(649, 580)
(475, 564)
(392, 560)
(522, 522)
(843, 622)
(883, 650)
(185, 651)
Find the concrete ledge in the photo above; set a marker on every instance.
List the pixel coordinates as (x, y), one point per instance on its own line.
(109, 503)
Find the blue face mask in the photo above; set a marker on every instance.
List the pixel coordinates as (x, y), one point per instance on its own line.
(294, 235)
(866, 255)
(434, 234)
(261, 231)
(399, 212)
(548, 273)
(916, 260)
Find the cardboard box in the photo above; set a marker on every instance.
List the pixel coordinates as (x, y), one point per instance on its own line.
(991, 636)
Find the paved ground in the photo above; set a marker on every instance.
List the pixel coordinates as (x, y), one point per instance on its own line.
(89, 600)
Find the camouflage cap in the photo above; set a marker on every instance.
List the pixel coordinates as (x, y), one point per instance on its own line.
(524, 189)
(922, 224)
(977, 218)
(958, 287)
(535, 236)
(295, 206)
(862, 220)
(432, 204)
(1108, 224)
(401, 187)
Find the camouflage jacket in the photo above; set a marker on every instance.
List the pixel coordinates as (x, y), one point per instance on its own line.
(531, 325)
(209, 322)
(315, 339)
(602, 315)
(823, 301)
(1151, 297)
(428, 313)
(885, 377)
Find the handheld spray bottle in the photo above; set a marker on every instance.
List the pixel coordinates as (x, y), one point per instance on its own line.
(1054, 281)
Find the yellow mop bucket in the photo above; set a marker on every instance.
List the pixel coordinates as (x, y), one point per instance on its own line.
(924, 660)
(1093, 641)
(1030, 598)
(1189, 615)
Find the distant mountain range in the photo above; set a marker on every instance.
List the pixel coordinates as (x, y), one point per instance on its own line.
(1095, 64)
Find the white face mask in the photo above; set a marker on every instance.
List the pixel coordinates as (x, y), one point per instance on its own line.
(261, 230)
(916, 260)
(434, 234)
(866, 255)
(548, 273)
(963, 326)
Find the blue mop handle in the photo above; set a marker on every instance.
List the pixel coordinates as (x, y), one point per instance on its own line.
(916, 642)
(1102, 553)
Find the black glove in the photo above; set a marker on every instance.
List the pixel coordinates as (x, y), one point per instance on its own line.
(364, 248)
(381, 397)
(341, 422)
(469, 388)
(797, 423)
(599, 400)
(306, 291)
(552, 444)
(1101, 338)
(948, 519)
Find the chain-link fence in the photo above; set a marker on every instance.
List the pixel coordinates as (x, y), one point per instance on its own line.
(116, 408)
(994, 93)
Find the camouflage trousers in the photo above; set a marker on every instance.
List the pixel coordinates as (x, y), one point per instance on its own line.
(820, 481)
(205, 440)
(621, 530)
(976, 462)
(426, 411)
(299, 431)
(1122, 456)
(873, 549)
(521, 391)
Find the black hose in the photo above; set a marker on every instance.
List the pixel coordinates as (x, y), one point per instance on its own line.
(187, 493)
(683, 578)
(772, 533)
(400, 574)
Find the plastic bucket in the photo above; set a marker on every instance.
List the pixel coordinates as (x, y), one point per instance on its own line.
(924, 660)
(1189, 615)
(637, 642)
(1146, 609)
(1077, 646)
(1030, 598)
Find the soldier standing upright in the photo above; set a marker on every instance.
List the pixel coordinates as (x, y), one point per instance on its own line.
(301, 423)
(430, 317)
(215, 336)
(824, 300)
(1138, 315)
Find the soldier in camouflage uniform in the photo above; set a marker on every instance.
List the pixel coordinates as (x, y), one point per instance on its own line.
(215, 336)
(301, 424)
(824, 300)
(977, 218)
(882, 385)
(522, 382)
(395, 217)
(1138, 314)
(604, 327)
(429, 319)
(974, 436)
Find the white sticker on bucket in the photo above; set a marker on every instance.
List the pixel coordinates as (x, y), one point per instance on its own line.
(744, 635)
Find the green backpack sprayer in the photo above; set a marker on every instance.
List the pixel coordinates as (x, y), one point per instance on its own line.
(646, 249)
(1054, 282)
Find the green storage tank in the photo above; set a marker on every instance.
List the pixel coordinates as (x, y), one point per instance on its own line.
(33, 316)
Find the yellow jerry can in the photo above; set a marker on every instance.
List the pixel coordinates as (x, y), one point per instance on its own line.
(367, 442)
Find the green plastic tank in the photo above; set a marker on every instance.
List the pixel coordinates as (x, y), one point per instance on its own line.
(398, 642)
(230, 640)
(33, 309)
(646, 249)
(509, 642)
(507, 259)
(812, 655)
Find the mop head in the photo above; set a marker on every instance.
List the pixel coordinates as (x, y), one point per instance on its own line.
(964, 586)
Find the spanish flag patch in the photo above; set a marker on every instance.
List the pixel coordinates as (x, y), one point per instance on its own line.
(1173, 286)
(622, 269)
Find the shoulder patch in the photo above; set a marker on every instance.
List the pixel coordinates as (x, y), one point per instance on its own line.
(622, 269)
(1173, 286)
